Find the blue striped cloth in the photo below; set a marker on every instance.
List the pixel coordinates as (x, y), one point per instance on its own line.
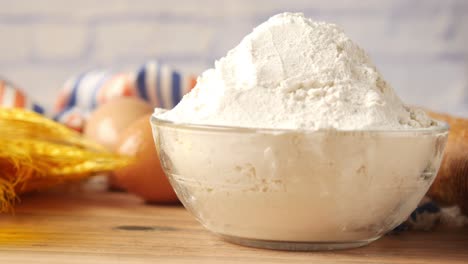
(158, 84)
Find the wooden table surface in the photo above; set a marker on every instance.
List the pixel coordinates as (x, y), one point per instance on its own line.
(102, 227)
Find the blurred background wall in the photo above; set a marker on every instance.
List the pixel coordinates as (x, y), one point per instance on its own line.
(421, 46)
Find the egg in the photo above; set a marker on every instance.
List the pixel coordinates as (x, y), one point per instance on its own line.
(145, 177)
(106, 123)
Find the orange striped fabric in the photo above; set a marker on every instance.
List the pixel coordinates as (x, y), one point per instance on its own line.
(11, 96)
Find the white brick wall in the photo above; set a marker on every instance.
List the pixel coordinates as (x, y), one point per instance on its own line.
(129, 38)
(17, 46)
(48, 41)
(421, 46)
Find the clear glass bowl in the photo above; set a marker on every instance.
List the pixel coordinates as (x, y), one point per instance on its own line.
(299, 190)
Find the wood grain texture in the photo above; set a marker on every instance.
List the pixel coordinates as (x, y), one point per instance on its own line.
(101, 227)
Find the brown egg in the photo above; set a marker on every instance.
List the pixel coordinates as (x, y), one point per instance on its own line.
(145, 177)
(107, 122)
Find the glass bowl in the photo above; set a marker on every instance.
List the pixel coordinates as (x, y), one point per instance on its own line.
(299, 190)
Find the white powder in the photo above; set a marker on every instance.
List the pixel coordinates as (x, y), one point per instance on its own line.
(309, 186)
(294, 73)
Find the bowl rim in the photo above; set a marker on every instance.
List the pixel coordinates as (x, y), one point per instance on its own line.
(441, 127)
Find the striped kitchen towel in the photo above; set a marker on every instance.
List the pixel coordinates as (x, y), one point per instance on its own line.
(156, 83)
(12, 96)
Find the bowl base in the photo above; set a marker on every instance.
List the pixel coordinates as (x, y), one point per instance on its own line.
(297, 246)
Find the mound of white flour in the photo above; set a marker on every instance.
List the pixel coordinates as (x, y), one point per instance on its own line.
(294, 73)
(326, 186)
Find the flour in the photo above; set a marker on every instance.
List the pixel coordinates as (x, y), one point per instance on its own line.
(330, 185)
(294, 73)
(323, 186)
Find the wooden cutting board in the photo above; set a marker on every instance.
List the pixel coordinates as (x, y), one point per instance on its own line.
(96, 226)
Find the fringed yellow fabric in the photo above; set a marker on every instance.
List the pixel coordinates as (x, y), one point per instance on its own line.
(37, 153)
(7, 195)
(27, 124)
